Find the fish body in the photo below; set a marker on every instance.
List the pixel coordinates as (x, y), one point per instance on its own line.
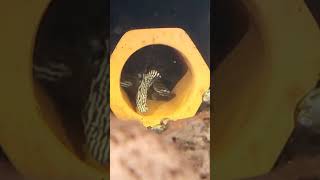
(96, 115)
(142, 93)
(94, 109)
(151, 90)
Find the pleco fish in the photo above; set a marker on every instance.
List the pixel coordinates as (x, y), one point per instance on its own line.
(71, 63)
(96, 114)
(145, 86)
(147, 81)
(96, 111)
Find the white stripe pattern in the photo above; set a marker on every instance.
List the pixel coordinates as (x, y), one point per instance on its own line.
(96, 115)
(51, 71)
(142, 94)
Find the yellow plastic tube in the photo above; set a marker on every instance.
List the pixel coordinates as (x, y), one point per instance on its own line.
(189, 89)
(31, 135)
(259, 84)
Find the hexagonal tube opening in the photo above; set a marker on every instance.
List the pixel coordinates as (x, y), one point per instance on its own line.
(61, 60)
(164, 59)
(188, 90)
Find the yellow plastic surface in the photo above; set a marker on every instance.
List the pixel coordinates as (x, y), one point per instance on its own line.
(259, 84)
(34, 141)
(189, 89)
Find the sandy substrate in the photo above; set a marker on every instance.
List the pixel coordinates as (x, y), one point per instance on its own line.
(180, 152)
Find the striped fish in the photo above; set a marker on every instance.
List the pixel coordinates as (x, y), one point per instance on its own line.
(147, 80)
(96, 111)
(96, 115)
